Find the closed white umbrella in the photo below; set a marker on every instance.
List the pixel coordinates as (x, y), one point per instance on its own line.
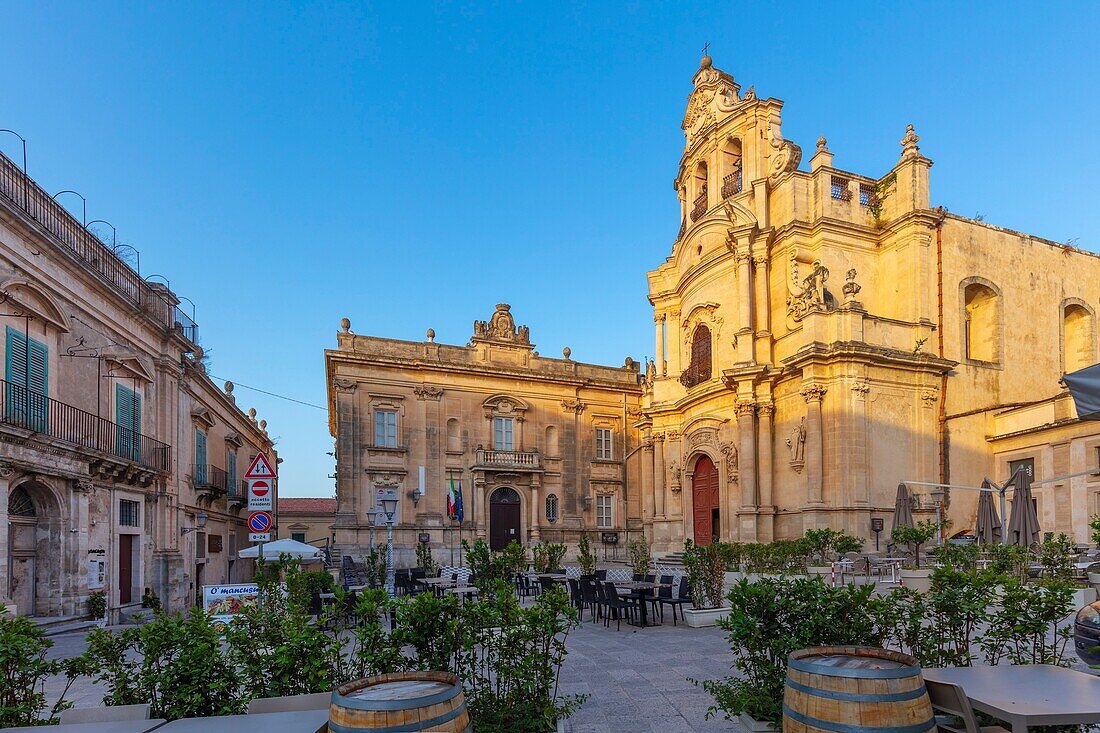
(274, 550)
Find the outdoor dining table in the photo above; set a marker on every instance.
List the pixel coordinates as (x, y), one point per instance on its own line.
(893, 561)
(1027, 694)
(643, 587)
(301, 721)
(114, 726)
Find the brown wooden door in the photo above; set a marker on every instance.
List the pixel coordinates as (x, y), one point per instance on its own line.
(125, 568)
(503, 518)
(704, 501)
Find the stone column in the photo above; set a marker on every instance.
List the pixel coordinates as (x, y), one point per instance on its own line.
(745, 302)
(482, 499)
(674, 501)
(814, 394)
(536, 515)
(765, 525)
(647, 481)
(659, 475)
(746, 430)
(659, 327)
(7, 470)
(763, 351)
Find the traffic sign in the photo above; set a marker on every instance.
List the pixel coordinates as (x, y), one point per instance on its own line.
(259, 536)
(259, 521)
(260, 468)
(261, 494)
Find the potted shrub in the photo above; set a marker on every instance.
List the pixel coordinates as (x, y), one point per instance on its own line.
(554, 556)
(585, 557)
(706, 571)
(914, 538)
(97, 606)
(639, 556)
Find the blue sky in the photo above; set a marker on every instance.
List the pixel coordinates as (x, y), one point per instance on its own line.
(409, 165)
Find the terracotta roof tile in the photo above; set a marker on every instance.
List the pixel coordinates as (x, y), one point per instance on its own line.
(306, 505)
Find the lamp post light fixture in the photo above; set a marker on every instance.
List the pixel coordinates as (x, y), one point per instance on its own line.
(200, 522)
(372, 519)
(389, 507)
(937, 497)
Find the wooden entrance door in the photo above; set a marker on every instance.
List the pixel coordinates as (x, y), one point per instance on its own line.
(503, 518)
(704, 501)
(125, 568)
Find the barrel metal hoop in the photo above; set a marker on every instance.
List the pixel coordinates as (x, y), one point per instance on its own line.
(855, 696)
(358, 703)
(854, 672)
(845, 728)
(425, 725)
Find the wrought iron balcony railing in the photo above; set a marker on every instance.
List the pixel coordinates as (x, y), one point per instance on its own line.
(731, 184)
(700, 205)
(24, 193)
(208, 477)
(507, 459)
(26, 408)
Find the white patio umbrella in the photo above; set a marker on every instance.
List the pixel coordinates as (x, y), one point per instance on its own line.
(274, 550)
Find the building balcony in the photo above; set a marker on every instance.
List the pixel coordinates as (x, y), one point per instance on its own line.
(69, 234)
(210, 479)
(731, 184)
(507, 460)
(699, 207)
(119, 447)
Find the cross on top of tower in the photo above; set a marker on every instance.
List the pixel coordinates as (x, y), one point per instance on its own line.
(706, 47)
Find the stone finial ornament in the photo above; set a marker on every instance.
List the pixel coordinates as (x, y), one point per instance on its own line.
(566, 352)
(822, 143)
(263, 425)
(345, 325)
(252, 414)
(909, 147)
(430, 335)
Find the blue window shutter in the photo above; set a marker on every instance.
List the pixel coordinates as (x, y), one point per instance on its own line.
(15, 358)
(28, 381)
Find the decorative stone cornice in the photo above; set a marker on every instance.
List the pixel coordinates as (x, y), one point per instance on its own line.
(346, 386)
(765, 409)
(860, 390)
(428, 392)
(7, 469)
(83, 486)
(573, 405)
(813, 392)
(744, 408)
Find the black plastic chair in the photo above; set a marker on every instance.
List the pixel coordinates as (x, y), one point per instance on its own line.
(601, 575)
(599, 600)
(665, 597)
(588, 596)
(617, 604)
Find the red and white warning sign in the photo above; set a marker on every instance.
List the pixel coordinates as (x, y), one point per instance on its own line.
(260, 468)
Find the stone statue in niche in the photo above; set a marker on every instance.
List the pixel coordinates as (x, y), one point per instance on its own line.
(797, 445)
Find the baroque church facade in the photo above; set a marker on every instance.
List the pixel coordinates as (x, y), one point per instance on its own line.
(820, 336)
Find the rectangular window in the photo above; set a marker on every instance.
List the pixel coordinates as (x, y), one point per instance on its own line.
(838, 188)
(200, 545)
(603, 443)
(298, 536)
(25, 398)
(201, 472)
(129, 513)
(866, 194)
(502, 434)
(1028, 464)
(231, 472)
(128, 421)
(604, 514)
(385, 428)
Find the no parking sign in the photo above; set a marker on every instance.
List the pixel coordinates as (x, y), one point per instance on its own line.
(259, 526)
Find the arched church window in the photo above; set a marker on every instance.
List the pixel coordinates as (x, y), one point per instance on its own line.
(699, 369)
(731, 168)
(981, 329)
(1078, 337)
(551, 508)
(20, 504)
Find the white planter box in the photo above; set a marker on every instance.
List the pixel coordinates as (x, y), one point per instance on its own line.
(750, 724)
(698, 618)
(918, 580)
(1083, 597)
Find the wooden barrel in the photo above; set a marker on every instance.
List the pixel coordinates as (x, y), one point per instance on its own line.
(852, 689)
(403, 701)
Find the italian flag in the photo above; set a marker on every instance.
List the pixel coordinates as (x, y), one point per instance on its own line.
(452, 500)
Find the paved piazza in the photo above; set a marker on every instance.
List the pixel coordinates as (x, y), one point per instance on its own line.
(636, 678)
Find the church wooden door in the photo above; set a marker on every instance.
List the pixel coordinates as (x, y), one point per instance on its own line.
(704, 498)
(504, 525)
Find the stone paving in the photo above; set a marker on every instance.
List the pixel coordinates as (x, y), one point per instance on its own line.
(636, 678)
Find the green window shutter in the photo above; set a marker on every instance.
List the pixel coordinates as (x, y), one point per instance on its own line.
(200, 457)
(28, 381)
(128, 419)
(231, 471)
(15, 361)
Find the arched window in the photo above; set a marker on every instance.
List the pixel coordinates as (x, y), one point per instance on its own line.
(982, 324)
(731, 168)
(20, 504)
(551, 441)
(698, 370)
(1078, 338)
(699, 203)
(551, 508)
(454, 436)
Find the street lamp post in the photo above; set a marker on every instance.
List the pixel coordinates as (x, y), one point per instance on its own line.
(389, 506)
(372, 517)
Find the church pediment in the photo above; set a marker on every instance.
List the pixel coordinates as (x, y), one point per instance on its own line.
(501, 330)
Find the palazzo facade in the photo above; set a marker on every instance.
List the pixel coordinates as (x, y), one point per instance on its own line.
(823, 335)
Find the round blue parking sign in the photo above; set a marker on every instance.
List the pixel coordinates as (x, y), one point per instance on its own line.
(259, 521)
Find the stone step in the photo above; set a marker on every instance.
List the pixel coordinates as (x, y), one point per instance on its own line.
(56, 625)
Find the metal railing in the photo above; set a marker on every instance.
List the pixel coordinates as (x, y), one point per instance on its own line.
(506, 458)
(71, 234)
(731, 184)
(209, 477)
(30, 410)
(700, 205)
